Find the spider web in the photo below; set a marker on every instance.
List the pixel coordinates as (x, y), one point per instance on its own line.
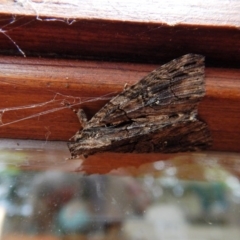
(15, 22)
(57, 103)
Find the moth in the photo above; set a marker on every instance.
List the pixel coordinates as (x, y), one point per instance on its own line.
(157, 114)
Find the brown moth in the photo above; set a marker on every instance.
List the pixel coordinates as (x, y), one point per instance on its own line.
(157, 114)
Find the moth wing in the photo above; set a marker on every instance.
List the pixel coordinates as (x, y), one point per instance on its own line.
(182, 136)
(174, 87)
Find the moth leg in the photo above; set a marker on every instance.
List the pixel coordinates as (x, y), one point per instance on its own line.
(82, 117)
(125, 86)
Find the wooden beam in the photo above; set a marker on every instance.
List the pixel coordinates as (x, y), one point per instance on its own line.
(32, 86)
(152, 31)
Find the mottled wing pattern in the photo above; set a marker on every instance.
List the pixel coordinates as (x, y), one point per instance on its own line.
(143, 138)
(176, 83)
(157, 114)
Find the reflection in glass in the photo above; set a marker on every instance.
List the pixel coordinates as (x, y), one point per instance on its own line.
(187, 197)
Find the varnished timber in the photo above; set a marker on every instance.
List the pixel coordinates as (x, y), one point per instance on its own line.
(122, 30)
(28, 81)
(150, 32)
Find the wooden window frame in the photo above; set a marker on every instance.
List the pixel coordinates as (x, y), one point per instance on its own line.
(91, 50)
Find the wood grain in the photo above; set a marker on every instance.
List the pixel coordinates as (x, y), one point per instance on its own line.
(30, 81)
(152, 31)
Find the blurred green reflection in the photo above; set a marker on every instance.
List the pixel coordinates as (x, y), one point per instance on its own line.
(194, 196)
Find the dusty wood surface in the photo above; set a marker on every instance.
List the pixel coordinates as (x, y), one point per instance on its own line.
(33, 87)
(151, 31)
(171, 12)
